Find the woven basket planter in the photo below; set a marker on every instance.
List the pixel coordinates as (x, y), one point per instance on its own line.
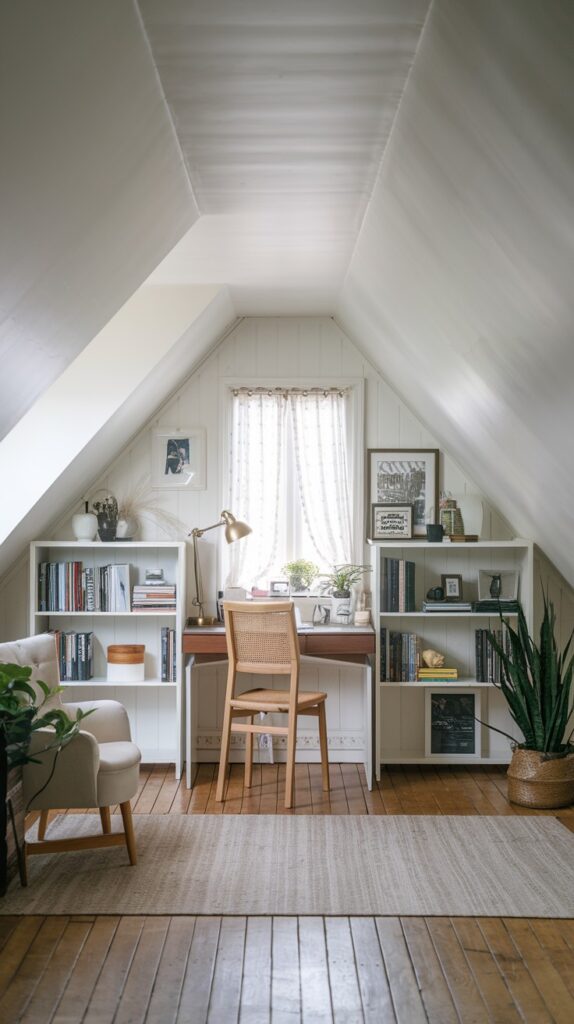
(536, 782)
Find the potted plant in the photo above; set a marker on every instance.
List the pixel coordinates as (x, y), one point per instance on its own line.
(20, 716)
(106, 509)
(300, 574)
(537, 685)
(338, 583)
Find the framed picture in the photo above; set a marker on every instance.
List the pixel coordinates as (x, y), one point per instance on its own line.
(452, 586)
(178, 458)
(498, 585)
(278, 588)
(451, 726)
(392, 522)
(404, 476)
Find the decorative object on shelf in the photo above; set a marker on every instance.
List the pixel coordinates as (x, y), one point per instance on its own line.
(452, 723)
(435, 594)
(452, 585)
(433, 659)
(235, 529)
(472, 511)
(404, 476)
(106, 509)
(536, 682)
(338, 584)
(138, 502)
(22, 713)
(450, 515)
(434, 533)
(392, 522)
(362, 614)
(300, 574)
(85, 524)
(321, 615)
(278, 588)
(178, 458)
(126, 663)
(497, 585)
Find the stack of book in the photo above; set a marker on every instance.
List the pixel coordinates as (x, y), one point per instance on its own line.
(168, 655)
(400, 656)
(492, 606)
(153, 597)
(438, 675)
(106, 588)
(487, 660)
(447, 606)
(60, 587)
(75, 655)
(397, 585)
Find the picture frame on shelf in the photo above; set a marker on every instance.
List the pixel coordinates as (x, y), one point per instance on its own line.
(452, 726)
(404, 476)
(278, 588)
(178, 458)
(391, 522)
(498, 585)
(451, 584)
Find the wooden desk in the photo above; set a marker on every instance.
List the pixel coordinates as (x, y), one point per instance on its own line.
(354, 644)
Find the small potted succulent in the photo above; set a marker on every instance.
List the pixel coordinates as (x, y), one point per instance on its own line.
(106, 509)
(338, 583)
(300, 574)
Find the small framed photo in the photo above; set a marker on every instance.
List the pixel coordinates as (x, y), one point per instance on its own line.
(392, 522)
(452, 726)
(452, 586)
(498, 585)
(278, 588)
(178, 458)
(404, 476)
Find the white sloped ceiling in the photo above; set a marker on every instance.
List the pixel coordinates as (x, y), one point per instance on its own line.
(460, 287)
(93, 190)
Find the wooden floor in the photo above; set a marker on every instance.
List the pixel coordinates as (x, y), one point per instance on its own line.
(259, 969)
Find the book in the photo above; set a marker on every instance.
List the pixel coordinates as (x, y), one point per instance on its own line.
(447, 606)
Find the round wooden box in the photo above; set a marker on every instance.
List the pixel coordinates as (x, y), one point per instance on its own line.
(126, 663)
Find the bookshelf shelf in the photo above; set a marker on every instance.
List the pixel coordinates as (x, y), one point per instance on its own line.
(402, 708)
(154, 706)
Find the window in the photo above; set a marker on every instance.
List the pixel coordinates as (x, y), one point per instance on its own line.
(290, 479)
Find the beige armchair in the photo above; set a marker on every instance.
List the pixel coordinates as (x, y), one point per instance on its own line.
(98, 768)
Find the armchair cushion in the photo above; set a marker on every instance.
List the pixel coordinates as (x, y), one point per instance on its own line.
(108, 722)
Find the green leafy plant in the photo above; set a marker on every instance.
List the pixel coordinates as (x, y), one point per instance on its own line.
(537, 684)
(342, 577)
(301, 573)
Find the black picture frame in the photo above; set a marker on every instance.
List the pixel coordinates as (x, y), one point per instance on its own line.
(404, 476)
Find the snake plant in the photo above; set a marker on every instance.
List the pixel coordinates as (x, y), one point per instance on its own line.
(537, 684)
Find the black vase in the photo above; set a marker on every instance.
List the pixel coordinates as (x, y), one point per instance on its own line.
(435, 533)
(107, 527)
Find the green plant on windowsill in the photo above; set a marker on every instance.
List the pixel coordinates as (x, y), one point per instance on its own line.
(300, 574)
(339, 581)
(21, 715)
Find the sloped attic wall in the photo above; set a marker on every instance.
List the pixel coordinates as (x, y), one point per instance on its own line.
(93, 188)
(258, 349)
(460, 285)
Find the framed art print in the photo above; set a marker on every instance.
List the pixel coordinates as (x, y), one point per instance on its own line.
(392, 522)
(404, 476)
(178, 458)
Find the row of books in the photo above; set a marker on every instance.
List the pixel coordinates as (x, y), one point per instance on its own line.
(149, 598)
(168, 655)
(487, 660)
(397, 585)
(400, 656)
(75, 655)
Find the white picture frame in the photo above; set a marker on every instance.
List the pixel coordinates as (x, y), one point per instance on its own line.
(509, 580)
(178, 458)
(452, 730)
(392, 522)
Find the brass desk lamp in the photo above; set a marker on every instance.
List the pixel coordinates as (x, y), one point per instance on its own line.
(234, 530)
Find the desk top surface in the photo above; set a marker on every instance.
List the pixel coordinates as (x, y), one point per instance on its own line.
(305, 628)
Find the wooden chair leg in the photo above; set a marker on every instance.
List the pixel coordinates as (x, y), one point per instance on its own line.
(224, 755)
(324, 747)
(290, 773)
(126, 810)
(43, 824)
(106, 820)
(249, 756)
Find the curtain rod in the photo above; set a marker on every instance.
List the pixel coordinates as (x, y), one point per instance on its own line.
(285, 392)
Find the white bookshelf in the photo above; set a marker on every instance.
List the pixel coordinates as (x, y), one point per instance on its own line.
(154, 707)
(400, 707)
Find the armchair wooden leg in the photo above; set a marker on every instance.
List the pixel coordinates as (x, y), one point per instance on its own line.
(126, 810)
(249, 756)
(43, 824)
(324, 747)
(106, 820)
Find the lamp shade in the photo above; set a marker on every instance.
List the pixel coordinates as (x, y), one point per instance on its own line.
(235, 529)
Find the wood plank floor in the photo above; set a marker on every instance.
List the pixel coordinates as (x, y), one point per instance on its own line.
(67, 970)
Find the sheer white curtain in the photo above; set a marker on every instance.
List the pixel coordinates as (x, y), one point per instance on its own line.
(319, 422)
(256, 480)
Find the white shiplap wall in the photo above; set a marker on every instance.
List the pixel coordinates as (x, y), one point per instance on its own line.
(267, 349)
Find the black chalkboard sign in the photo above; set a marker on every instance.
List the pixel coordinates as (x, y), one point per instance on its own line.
(452, 723)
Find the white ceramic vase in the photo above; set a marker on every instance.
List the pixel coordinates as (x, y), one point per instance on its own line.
(85, 525)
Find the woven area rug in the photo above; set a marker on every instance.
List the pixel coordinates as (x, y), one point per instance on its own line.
(290, 864)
